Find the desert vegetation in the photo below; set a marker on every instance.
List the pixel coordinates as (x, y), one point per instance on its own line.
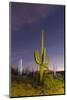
(29, 84)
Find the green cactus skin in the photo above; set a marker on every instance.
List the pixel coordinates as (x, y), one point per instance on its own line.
(41, 59)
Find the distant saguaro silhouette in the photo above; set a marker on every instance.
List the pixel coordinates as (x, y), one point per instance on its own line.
(55, 69)
(20, 67)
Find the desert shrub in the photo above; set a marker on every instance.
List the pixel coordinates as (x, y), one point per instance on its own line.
(51, 82)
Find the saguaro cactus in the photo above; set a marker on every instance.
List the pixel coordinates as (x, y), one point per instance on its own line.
(20, 67)
(41, 59)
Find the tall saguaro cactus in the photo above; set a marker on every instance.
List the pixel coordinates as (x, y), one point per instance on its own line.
(41, 59)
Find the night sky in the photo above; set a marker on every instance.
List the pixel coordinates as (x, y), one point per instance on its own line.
(27, 23)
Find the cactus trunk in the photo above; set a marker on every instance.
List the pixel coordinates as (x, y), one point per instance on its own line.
(42, 50)
(41, 73)
(42, 44)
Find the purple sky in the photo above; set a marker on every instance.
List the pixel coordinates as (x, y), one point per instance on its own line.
(27, 22)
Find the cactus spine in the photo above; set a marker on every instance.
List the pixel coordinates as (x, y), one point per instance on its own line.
(41, 59)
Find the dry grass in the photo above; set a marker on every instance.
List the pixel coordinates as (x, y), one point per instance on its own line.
(24, 87)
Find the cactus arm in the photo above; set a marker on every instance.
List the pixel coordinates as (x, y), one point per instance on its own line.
(37, 58)
(49, 61)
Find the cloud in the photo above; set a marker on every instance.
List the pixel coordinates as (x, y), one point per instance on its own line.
(26, 14)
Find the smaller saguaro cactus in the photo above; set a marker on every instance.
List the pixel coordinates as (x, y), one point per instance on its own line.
(41, 59)
(55, 69)
(20, 67)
